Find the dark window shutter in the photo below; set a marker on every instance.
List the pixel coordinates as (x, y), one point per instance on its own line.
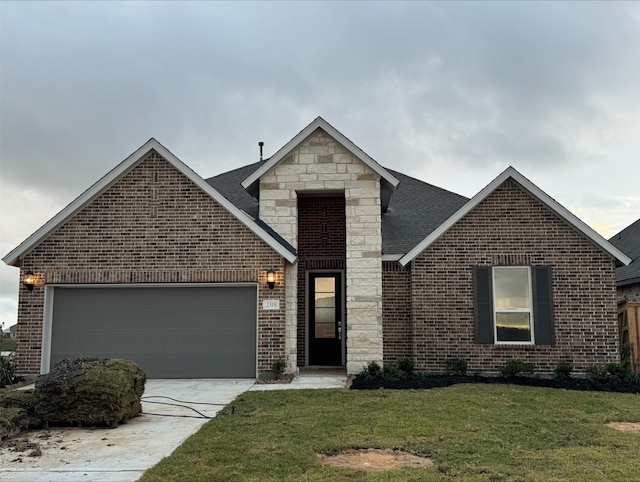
(482, 304)
(543, 305)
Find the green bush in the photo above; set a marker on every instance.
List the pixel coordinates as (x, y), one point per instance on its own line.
(372, 370)
(278, 368)
(7, 372)
(612, 373)
(456, 366)
(406, 365)
(626, 351)
(563, 370)
(516, 368)
(391, 372)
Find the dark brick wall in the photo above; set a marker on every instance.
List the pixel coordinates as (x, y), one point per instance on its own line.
(396, 311)
(153, 226)
(322, 245)
(511, 228)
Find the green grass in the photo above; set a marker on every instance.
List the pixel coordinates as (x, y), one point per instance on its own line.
(472, 432)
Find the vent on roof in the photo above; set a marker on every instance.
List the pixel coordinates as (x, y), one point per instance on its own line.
(261, 144)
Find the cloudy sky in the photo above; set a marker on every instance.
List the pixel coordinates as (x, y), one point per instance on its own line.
(450, 93)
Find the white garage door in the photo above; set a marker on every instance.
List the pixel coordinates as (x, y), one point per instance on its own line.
(171, 332)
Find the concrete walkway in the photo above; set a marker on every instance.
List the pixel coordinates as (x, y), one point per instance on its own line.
(123, 454)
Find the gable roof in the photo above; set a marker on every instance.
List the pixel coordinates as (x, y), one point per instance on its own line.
(628, 241)
(388, 182)
(532, 189)
(14, 257)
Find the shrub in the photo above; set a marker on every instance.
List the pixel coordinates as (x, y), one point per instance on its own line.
(372, 370)
(391, 372)
(516, 368)
(278, 368)
(7, 372)
(626, 351)
(563, 370)
(456, 366)
(406, 365)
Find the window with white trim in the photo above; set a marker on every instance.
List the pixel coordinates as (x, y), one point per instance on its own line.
(513, 307)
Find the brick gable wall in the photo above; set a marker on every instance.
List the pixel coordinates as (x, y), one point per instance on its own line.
(511, 228)
(152, 226)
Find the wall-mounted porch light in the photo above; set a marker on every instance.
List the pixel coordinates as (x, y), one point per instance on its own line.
(271, 279)
(29, 280)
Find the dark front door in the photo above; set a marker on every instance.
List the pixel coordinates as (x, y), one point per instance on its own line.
(325, 319)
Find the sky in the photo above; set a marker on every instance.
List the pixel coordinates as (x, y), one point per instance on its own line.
(449, 93)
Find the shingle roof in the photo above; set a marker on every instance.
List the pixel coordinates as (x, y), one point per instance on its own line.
(415, 209)
(628, 241)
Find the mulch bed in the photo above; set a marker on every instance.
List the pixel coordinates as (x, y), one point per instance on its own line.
(440, 381)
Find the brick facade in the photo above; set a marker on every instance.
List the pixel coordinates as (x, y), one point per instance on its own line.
(154, 225)
(396, 311)
(511, 228)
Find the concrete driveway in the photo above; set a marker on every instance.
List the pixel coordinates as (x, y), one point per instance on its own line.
(124, 453)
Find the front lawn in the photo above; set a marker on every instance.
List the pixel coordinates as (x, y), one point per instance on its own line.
(472, 432)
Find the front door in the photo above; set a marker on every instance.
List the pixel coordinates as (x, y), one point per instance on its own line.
(325, 319)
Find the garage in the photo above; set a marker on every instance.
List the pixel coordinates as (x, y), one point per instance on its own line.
(201, 331)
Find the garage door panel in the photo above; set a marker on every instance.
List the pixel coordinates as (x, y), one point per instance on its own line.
(171, 332)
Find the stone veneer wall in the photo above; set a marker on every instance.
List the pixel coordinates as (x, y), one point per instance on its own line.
(511, 228)
(320, 164)
(152, 226)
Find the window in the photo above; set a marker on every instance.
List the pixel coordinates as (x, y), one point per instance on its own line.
(513, 305)
(513, 314)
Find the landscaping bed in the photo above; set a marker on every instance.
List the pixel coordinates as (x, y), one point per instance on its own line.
(613, 377)
(439, 381)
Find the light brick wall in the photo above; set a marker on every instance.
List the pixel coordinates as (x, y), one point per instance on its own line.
(152, 226)
(511, 228)
(320, 164)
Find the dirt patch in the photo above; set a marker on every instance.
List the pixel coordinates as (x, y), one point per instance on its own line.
(625, 426)
(374, 459)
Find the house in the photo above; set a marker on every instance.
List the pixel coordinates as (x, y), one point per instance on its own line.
(317, 255)
(10, 332)
(628, 277)
(628, 283)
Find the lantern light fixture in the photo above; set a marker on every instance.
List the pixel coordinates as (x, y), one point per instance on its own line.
(271, 279)
(29, 280)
